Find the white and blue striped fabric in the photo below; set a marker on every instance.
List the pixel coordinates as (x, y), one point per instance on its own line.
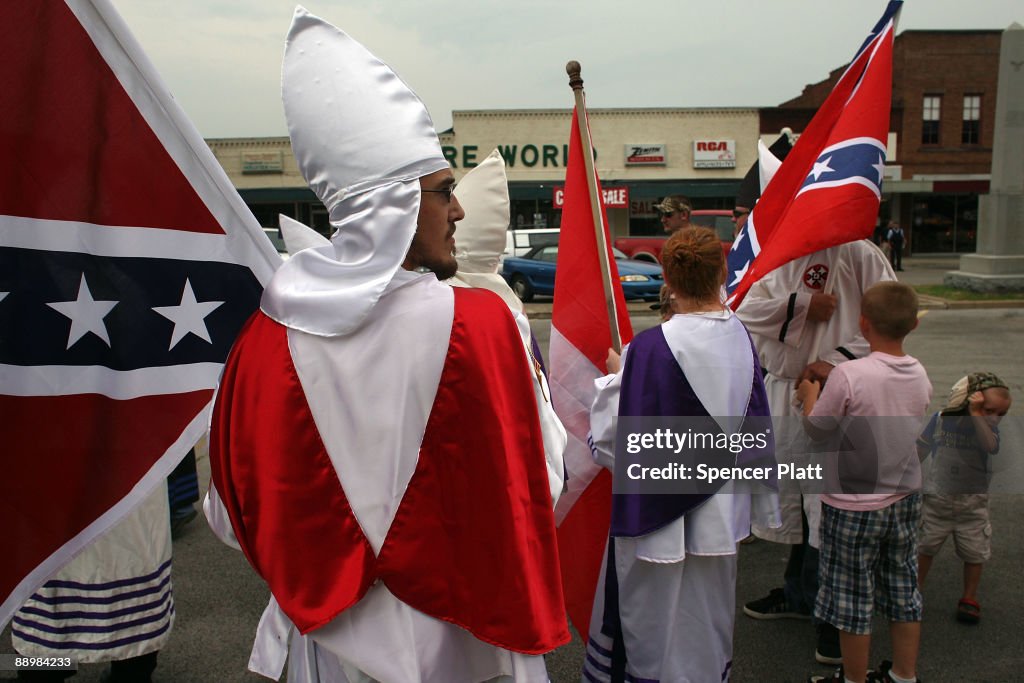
(113, 601)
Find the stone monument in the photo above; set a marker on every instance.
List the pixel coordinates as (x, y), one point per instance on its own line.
(998, 264)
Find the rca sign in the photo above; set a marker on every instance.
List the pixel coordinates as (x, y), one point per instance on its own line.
(612, 197)
(714, 154)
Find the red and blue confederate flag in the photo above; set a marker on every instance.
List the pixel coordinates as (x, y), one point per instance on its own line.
(828, 189)
(128, 263)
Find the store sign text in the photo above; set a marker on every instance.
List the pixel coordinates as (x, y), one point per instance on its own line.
(714, 154)
(529, 155)
(262, 162)
(645, 155)
(614, 197)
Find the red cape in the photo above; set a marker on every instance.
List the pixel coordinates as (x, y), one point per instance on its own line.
(473, 540)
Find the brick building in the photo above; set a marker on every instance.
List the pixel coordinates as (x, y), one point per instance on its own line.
(941, 127)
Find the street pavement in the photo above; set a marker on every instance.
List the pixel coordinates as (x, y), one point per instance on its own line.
(219, 599)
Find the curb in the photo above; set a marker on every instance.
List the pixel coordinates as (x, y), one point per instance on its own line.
(542, 311)
(949, 304)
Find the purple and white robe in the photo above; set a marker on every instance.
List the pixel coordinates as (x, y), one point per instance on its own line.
(665, 603)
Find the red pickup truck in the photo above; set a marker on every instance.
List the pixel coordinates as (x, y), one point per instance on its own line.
(649, 248)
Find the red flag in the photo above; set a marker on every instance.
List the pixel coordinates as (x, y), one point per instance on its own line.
(580, 339)
(128, 263)
(829, 187)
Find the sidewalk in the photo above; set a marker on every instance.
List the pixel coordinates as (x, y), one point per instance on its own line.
(929, 269)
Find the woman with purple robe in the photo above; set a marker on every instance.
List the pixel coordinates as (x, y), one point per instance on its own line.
(665, 604)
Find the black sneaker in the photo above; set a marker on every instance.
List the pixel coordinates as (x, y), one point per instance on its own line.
(773, 606)
(834, 677)
(827, 650)
(881, 674)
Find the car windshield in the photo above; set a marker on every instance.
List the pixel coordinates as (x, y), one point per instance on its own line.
(550, 253)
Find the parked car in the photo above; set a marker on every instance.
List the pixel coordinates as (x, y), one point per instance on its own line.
(518, 242)
(649, 248)
(534, 273)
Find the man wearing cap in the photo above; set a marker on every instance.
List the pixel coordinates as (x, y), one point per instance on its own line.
(783, 312)
(381, 448)
(675, 212)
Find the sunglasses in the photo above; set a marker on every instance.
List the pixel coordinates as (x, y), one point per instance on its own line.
(668, 214)
(447, 191)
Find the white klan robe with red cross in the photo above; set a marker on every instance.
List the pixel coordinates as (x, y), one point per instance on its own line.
(394, 487)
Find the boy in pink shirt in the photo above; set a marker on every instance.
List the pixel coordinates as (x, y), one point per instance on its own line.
(869, 539)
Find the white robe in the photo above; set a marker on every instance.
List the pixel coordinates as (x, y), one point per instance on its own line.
(677, 585)
(128, 568)
(775, 313)
(381, 638)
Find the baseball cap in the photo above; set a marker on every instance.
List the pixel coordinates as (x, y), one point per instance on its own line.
(673, 204)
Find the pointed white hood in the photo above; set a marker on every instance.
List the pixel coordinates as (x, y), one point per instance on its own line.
(483, 194)
(362, 140)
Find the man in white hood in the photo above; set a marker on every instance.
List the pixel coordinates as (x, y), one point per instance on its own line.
(380, 447)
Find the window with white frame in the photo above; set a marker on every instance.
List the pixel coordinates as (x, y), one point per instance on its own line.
(970, 133)
(930, 116)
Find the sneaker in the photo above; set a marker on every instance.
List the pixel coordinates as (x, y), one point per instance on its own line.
(773, 606)
(968, 611)
(881, 674)
(827, 650)
(834, 677)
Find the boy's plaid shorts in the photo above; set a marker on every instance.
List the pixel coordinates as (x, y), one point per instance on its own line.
(869, 557)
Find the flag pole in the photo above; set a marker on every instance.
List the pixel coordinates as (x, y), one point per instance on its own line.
(574, 70)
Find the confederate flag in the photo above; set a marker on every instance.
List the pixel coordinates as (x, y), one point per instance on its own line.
(128, 263)
(828, 189)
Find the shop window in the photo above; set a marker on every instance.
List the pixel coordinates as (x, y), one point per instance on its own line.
(527, 214)
(267, 214)
(944, 223)
(930, 119)
(971, 131)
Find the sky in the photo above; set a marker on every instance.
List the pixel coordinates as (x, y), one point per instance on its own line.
(222, 58)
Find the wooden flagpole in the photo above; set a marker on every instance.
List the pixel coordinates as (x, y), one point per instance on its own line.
(574, 70)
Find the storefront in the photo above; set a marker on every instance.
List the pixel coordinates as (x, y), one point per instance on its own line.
(938, 216)
(946, 221)
(642, 155)
(265, 173)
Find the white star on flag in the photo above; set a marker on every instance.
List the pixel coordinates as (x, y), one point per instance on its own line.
(740, 273)
(739, 238)
(880, 167)
(821, 167)
(188, 316)
(86, 314)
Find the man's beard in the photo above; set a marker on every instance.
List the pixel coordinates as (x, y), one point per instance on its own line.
(443, 269)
